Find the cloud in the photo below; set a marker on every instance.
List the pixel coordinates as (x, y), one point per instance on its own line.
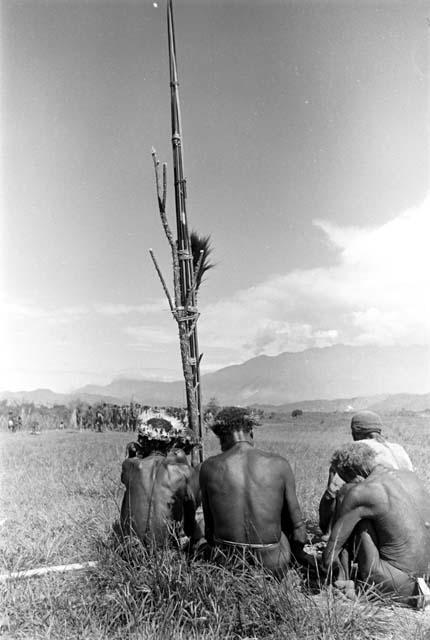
(151, 338)
(375, 293)
(26, 311)
(108, 309)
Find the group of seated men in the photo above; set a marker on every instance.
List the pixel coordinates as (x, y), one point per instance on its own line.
(375, 512)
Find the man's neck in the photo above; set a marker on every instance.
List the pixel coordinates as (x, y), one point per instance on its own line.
(237, 437)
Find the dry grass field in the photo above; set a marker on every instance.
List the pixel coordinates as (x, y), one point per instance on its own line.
(60, 494)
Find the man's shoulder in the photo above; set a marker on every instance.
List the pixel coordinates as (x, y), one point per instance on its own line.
(401, 456)
(177, 456)
(147, 462)
(212, 461)
(270, 457)
(136, 463)
(254, 452)
(374, 488)
(272, 464)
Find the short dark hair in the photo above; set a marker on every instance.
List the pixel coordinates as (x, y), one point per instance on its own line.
(232, 419)
(355, 458)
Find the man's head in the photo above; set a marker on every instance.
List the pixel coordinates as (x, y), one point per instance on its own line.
(354, 461)
(233, 424)
(365, 424)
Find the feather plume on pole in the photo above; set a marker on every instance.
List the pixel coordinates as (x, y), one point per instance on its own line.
(200, 245)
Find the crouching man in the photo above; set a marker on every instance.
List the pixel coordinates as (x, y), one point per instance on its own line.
(382, 524)
(249, 498)
(366, 427)
(160, 485)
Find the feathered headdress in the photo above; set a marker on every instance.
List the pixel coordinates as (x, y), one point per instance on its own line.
(161, 426)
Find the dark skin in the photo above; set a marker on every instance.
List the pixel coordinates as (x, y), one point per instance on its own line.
(387, 517)
(396, 458)
(160, 490)
(249, 496)
(327, 504)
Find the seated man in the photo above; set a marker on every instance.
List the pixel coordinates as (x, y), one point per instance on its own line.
(249, 496)
(382, 523)
(159, 482)
(366, 426)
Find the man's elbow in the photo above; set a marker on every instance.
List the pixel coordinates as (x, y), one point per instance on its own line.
(326, 512)
(209, 536)
(325, 564)
(190, 527)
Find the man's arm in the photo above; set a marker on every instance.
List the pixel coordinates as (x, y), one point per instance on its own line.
(327, 504)
(191, 526)
(293, 524)
(125, 471)
(358, 503)
(209, 525)
(194, 483)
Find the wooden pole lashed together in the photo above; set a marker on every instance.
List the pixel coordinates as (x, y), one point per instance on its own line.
(187, 277)
(185, 273)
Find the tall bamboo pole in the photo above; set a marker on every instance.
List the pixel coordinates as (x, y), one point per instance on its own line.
(186, 273)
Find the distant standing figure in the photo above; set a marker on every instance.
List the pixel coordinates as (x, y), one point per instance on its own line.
(11, 422)
(249, 497)
(366, 427)
(99, 421)
(35, 431)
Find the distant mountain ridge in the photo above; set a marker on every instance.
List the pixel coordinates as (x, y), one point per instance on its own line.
(319, 376)
(381, 404)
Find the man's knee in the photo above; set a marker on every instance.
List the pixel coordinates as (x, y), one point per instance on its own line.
(365, 550)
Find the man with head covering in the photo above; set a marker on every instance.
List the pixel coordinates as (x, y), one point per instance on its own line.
(160, 484)
(382, 523)
(366, 426)
(249, 497)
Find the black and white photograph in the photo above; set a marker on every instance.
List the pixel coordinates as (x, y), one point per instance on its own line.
(215, 320)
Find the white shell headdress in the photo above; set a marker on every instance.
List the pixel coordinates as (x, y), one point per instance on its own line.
(159, 425)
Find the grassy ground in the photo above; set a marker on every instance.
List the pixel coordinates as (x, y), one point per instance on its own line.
(60, 495)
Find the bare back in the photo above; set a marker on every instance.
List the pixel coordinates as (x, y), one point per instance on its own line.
(247, 493)
(402, 519)
(398, 507)
(157, 494)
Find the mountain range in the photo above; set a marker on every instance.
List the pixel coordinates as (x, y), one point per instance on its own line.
(315, 378)
(331, 377)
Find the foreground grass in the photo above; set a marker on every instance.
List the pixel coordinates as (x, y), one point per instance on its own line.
(165, 596)
(60, 496)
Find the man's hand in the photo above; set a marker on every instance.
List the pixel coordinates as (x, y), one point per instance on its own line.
(299, 533)
(331, 474)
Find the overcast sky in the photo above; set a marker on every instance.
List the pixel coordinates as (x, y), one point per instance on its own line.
(306, 147)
